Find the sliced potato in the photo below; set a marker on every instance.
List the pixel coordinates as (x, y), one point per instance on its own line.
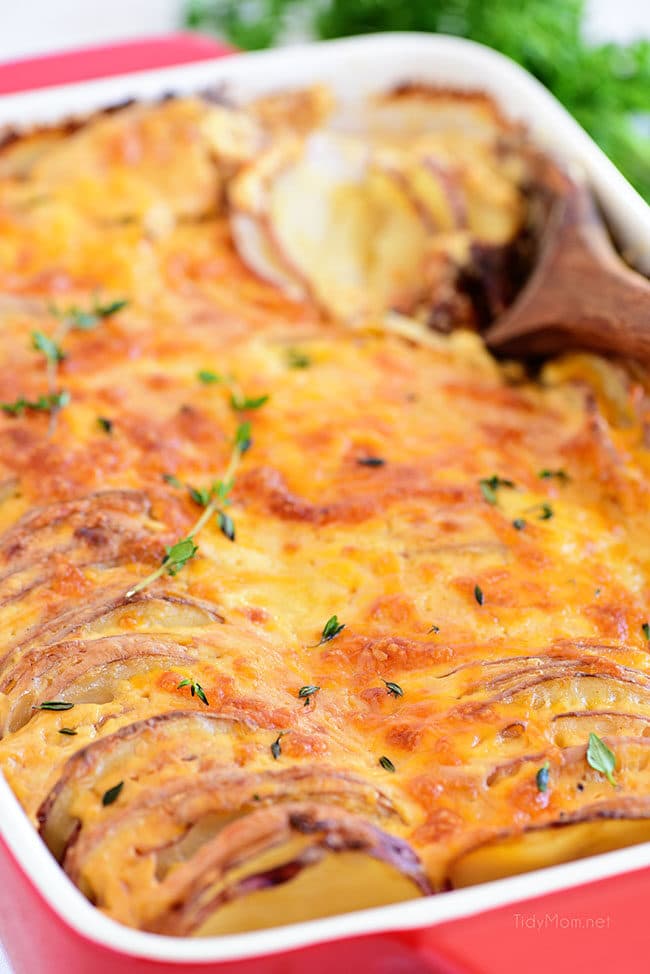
(330, 224)
(135, 751)
(83, 671)
(289, 863)
(595, 829)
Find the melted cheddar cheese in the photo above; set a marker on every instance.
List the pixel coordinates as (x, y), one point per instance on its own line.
(480, 534)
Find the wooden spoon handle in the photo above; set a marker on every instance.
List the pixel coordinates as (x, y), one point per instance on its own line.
(580, 295)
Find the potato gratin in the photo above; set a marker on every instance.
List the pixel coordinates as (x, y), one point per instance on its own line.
(305, 606)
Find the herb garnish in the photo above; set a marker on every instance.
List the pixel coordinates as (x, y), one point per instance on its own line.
(226, 525)
(542, 776)
(519, 524)
(386, 763)
(297, 359)
(200, 495)
(394, 689)
(195, 690)
(307, 693)
(331, 629)
(557, 474)
(51, 348)
(547, 512)
(478, 594)
(600, 758)
(371, 461)
(42, 343)
(207, 377)
(276, 749)
(169, 478)
(105, 424)
(180, 553)
(112, 794)
(46, 404)
(242, 403)
(77, 318)
(54, 705)
(646, 630)
(490, 485)
(69, 731)
(243, 440)
(433, 629)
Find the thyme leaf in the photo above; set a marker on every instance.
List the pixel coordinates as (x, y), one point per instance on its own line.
(45, 404)
(242, 403)
(42, 343)
(54, 705)
(226, 525)
(331, 629)
(179, 554)
(112, 794)
(297, 359)
(169, 478)
(276, 747)
(490, 485)
(207, 377)
(196, 690)
(553, 474)
(306, 693)
(541, 778)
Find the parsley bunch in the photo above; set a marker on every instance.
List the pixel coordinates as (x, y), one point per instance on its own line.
(605, 86)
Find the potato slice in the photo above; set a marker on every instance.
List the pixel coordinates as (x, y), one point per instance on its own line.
(412, 111)
(594, 829)
(83, 671)
(168, 799)
(319, 218)
(61, 525)
(289, 863)
(133, 751)
(154, 608)
(572, 728)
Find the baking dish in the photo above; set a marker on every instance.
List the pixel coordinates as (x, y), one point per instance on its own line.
(365, 65)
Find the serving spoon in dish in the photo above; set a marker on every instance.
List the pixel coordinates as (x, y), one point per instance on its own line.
(580, 295)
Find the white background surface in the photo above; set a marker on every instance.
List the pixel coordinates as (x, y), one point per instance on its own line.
(36, 26)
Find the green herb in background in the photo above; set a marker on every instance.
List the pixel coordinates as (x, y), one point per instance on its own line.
(605, 86)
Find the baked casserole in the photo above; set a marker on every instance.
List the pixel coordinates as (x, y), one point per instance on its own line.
(308, 603)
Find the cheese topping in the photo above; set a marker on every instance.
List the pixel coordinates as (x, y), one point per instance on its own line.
(479, 534)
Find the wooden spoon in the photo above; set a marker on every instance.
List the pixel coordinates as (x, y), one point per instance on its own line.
(580, 294)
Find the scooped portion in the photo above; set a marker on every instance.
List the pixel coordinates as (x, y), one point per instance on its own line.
(388, 209)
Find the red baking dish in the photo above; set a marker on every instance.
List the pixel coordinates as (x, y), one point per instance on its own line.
(589, 912)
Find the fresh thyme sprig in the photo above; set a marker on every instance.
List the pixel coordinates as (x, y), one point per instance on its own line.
(213, 499)
(70, 319)
(178, 554)
(44, 404)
